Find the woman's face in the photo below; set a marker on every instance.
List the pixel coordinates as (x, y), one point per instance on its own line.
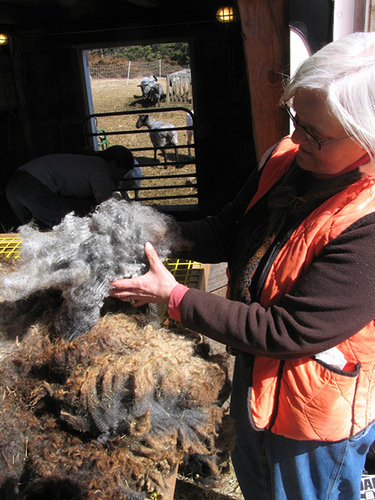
(334, 157)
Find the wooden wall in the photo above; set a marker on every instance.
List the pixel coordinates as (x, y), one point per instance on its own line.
(265, 27)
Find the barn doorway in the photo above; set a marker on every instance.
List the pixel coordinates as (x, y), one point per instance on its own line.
(115, 81)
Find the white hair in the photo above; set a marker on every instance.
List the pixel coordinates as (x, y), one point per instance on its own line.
(343, 71)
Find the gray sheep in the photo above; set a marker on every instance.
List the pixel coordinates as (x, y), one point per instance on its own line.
(160, 137)
(146, 83)
(155, 93)
(151, 89)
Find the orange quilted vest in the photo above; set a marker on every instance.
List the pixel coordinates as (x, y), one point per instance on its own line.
(306, 399)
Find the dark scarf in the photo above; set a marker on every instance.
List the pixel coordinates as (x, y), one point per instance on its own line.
(287, 206)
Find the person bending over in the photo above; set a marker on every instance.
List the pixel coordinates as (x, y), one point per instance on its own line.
(49, 187)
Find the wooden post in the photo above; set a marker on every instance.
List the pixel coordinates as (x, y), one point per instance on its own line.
(168, 491)
(265, 28)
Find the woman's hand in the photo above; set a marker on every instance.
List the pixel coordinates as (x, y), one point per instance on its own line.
(154, 286)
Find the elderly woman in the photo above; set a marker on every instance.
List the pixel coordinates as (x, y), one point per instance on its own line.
(299, 242)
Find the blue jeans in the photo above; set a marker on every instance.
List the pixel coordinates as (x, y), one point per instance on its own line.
(269, 466)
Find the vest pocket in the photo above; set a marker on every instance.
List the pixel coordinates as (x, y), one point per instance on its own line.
(333, 369)
(316, 401)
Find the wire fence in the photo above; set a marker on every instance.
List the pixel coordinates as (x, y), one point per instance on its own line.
(109, 71)
(178, 82)
(132, 69)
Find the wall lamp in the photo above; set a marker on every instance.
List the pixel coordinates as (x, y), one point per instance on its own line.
(4, 39)
(226, 15)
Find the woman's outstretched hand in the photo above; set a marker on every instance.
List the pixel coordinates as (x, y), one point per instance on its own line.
(154, 286)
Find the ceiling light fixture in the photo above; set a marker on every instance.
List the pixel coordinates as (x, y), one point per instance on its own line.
(4, 39)
(226, 15)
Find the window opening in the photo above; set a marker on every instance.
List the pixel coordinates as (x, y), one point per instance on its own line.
(124, 83)
(299, 51)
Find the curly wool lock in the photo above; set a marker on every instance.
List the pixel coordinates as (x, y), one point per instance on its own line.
(110, 414)
(82, 255)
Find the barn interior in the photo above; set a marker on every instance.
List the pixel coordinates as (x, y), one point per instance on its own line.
(236, 77)
(236, 69)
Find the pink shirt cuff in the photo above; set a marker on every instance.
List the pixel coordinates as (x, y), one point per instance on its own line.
(175, 299)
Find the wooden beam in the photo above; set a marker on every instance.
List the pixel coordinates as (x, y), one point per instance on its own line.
(265, 28)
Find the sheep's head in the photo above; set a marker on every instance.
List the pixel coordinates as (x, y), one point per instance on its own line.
(141, 122)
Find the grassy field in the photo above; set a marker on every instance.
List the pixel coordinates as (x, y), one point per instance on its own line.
(121, 95)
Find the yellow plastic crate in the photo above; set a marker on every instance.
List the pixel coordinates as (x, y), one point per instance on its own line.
(187, 272)
(10, 245)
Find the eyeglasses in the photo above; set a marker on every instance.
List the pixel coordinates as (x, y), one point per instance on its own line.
(314, 141)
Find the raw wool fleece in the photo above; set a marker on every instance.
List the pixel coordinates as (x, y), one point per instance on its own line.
(82, 255)
(110, 414)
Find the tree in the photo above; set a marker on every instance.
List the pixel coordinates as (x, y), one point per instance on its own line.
(170, 52)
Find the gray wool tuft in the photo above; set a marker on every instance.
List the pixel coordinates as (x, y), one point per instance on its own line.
(82, 255)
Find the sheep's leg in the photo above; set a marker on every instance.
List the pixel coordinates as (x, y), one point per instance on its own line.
(155, 144)
(176, 155)
(189, 134)
(164, 156)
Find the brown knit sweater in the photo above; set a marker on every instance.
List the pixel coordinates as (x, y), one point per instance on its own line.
(331, 302)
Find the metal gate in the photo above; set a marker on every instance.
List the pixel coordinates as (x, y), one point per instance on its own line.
(168, 182)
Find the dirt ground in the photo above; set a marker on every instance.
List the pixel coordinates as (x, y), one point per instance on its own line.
(121, 95)
(228, 490)
(117, 95)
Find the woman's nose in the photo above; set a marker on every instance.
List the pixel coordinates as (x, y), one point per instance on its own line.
(298, 137)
